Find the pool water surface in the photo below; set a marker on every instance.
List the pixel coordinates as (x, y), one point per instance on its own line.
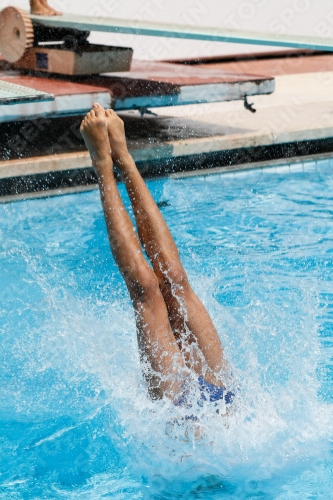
(75, 419)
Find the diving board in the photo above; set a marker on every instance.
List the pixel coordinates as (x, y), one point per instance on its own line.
(149, 84)
(11, 93)
(152, 84)
(149, 28)
(68, 98)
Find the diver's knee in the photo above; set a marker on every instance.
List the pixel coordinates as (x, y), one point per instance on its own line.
(145, 286)
(175, 277)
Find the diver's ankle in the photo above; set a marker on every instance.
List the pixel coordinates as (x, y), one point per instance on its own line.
(101, 154)
(103, 166)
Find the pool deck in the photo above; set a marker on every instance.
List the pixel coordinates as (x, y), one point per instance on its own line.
(295, 121)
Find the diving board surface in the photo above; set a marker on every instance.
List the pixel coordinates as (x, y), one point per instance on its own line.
(152, 84)
(11, 93)
(148, 28)
(68, 98)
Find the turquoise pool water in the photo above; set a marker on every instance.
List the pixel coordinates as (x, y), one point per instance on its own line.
(75, 419)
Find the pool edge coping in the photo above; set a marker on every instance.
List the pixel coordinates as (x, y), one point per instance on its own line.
(48, 193)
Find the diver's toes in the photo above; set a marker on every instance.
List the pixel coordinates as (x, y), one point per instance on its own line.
(99, 111)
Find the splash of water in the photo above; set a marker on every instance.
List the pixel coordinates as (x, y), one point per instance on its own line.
(84, 365)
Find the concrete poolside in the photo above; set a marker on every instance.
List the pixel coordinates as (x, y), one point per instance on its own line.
(295, 121)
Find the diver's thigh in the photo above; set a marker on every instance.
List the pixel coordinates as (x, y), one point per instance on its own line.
(162, 361)
(197, 336)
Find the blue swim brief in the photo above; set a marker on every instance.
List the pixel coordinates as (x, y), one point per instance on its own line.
(213, 393)
(208, 392)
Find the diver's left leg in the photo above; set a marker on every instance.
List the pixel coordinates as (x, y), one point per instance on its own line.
(191, 324)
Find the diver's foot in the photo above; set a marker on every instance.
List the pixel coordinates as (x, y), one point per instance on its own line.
(116, 134)
(94, 132)
(53, 12)
(38, 8)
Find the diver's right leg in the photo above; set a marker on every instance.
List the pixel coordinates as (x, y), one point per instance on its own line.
(157, 344)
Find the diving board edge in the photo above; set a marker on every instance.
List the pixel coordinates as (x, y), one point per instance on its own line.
(11, 93)
(147, 28)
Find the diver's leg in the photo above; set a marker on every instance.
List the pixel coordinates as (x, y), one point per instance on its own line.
(37, 8)
(156, 341)
(193, 328)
